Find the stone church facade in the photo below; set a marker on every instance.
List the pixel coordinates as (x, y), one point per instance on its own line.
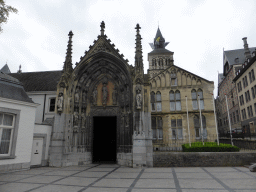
(109, 111)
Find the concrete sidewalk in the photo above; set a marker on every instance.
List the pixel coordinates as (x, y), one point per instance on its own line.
(113, 178)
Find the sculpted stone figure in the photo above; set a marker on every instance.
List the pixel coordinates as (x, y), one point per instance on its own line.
(84, 95)
(60, 102)
(83, 120)
(114, 96)
(94, 96)
(138, 97)
(104, 94)
(77, 96)
(76, 119)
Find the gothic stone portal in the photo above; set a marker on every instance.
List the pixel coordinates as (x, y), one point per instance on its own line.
(104, 140)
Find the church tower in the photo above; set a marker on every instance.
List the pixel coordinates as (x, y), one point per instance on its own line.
(160, 58)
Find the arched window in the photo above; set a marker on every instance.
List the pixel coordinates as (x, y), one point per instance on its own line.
(153, 101)
(157, 128)
(175, 104)
(195, 97)
(158, 101)
(197, 125)
(153, 62)
(173, 79)
(201, 98)
(176, 125)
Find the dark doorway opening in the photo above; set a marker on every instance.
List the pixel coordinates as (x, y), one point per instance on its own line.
(104, 140)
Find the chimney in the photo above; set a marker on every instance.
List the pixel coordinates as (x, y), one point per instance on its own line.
(247, 52)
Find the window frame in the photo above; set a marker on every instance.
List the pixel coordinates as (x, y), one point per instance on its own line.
(14, 134)
(50, 104)
(157, 130)
(178, 130)
(174, 100)
(158, 102)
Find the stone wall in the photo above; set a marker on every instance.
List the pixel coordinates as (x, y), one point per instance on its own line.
(202, 159)
(241, 143)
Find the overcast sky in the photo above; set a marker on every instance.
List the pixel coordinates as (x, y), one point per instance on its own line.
(198, 31)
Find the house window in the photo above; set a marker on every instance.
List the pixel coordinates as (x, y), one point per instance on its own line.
(241, 99)
(194, 99)
(247, 96)
(234, 117)
(239, 86)
(197, 125)
(173, 79)
(243, 114)
(237, 116)
(158, 101)
(195, 96)
(249, 110)
(253, 92)
(175, 104)
(176, 125)
(251, 76)
(153, 101)
(52, 104)
(255, 108)
(157, 128)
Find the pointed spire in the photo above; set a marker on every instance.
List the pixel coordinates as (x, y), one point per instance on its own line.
(5, 69)
(159, 41)
(102, 26)
(247, 52)
(138, 51)
(68, 61)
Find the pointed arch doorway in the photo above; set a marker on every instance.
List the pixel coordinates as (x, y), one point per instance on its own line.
(104, 144)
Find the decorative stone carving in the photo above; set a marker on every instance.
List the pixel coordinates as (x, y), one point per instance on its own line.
(84, 97)
(138, 97)
(95, 96)
(83, 78)
(104, 94)
(83, 120)
(60, 102)
(75, 120)
(126, 120)
(114, 96)
(77, 96)
(127, 96)
(121, 97)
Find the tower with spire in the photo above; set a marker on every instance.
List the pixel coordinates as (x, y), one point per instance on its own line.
(159, 58)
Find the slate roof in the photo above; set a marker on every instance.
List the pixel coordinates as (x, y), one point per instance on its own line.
(5, 69)
(39, 81)
(160, 50)
(11, 88)
(237, 53)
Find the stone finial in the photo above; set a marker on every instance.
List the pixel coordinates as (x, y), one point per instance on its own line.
(247, 52)
(19, 71)
(68, 61)
(102, 26)
(139, 68)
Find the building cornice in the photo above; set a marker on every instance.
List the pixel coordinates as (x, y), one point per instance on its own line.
(18, 102)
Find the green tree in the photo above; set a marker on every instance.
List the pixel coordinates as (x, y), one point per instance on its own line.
(4, 13)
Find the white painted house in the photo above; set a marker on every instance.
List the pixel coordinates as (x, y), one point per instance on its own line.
(17, 123)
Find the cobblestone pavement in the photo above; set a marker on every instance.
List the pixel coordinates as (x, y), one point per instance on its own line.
(113, 178)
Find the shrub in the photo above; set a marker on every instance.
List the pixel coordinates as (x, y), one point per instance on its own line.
(209, 147)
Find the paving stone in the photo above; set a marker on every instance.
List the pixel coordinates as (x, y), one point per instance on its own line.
(58, 188)
(17, 187)
(97, 189)
(33, 171)
(240, 183)
(154, 190)
(231, 175)
(200, 183)
(102, 169)
(61, 173)
(156, 175)
(161, 170)
(12, 177)
(189, 175)
(188, 169)
(40, 179)
(119, 175)
(90, 174)
(155, 183)
(114, 183)
(128, 170)
(220, 169)
(76, 181)
(204, 190)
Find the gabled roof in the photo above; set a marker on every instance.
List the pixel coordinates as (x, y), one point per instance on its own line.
(5, 69)
(11, 88)
(236, 56)
(39, 81)
(182, 70)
